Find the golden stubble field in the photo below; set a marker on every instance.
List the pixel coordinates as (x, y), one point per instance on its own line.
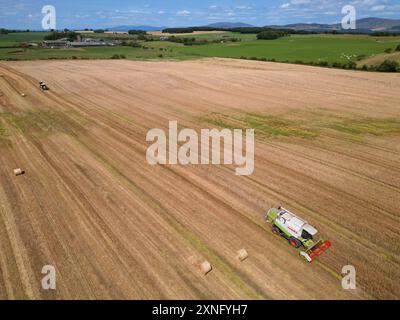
(327, 147)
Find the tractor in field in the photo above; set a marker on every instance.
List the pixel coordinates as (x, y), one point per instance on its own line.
(43, 86)
(298, 232)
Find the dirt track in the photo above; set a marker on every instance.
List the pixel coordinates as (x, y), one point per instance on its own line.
(116, 227)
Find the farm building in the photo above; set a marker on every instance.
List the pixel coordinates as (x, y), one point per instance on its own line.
(55, 44)
(88, 42)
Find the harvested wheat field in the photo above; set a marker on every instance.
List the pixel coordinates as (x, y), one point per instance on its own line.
(327, 147)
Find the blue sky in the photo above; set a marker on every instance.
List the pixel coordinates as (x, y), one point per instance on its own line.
(105, 13)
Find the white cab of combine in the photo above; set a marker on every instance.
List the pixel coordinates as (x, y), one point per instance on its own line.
(293, 224)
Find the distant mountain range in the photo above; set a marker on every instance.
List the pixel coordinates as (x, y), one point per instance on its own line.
(378, 24)
(228, 25)
(222, 25)
(363, 25)
(131, 27)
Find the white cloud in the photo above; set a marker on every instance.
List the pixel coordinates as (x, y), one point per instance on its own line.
(300, 1)
(285, 5)
(244, 7)
(183, 13)
(380, 7)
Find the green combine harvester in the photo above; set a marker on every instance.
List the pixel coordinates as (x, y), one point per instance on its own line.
(43, 86)
(298, 232)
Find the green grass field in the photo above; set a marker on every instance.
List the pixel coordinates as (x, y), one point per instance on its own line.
(298, 48)
(153, 52)
(303, 124)
(15, 39)
(308, 49)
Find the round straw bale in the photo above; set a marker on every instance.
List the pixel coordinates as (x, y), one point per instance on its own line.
(205, 267)
(18, 172)
(242, 254)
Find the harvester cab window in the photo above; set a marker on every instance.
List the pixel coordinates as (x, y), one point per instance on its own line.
(306, 235)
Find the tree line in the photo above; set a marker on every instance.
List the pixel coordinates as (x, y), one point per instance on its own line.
(187, 41)
(7, 31)
(257, 30)
(55, 35)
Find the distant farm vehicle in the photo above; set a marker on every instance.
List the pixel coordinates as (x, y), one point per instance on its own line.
(43, 86)
(298, 232)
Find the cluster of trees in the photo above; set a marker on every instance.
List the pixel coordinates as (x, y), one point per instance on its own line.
(270, 35)
(386, 66)
(133, 44)
(118, 56)
(70, 35)
(257, 30)
(137, 32)
(191, 29)
(7, 31)
(384, 34)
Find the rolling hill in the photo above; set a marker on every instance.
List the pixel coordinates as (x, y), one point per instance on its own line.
(363, 25)
(133, 27)
(227, 25)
